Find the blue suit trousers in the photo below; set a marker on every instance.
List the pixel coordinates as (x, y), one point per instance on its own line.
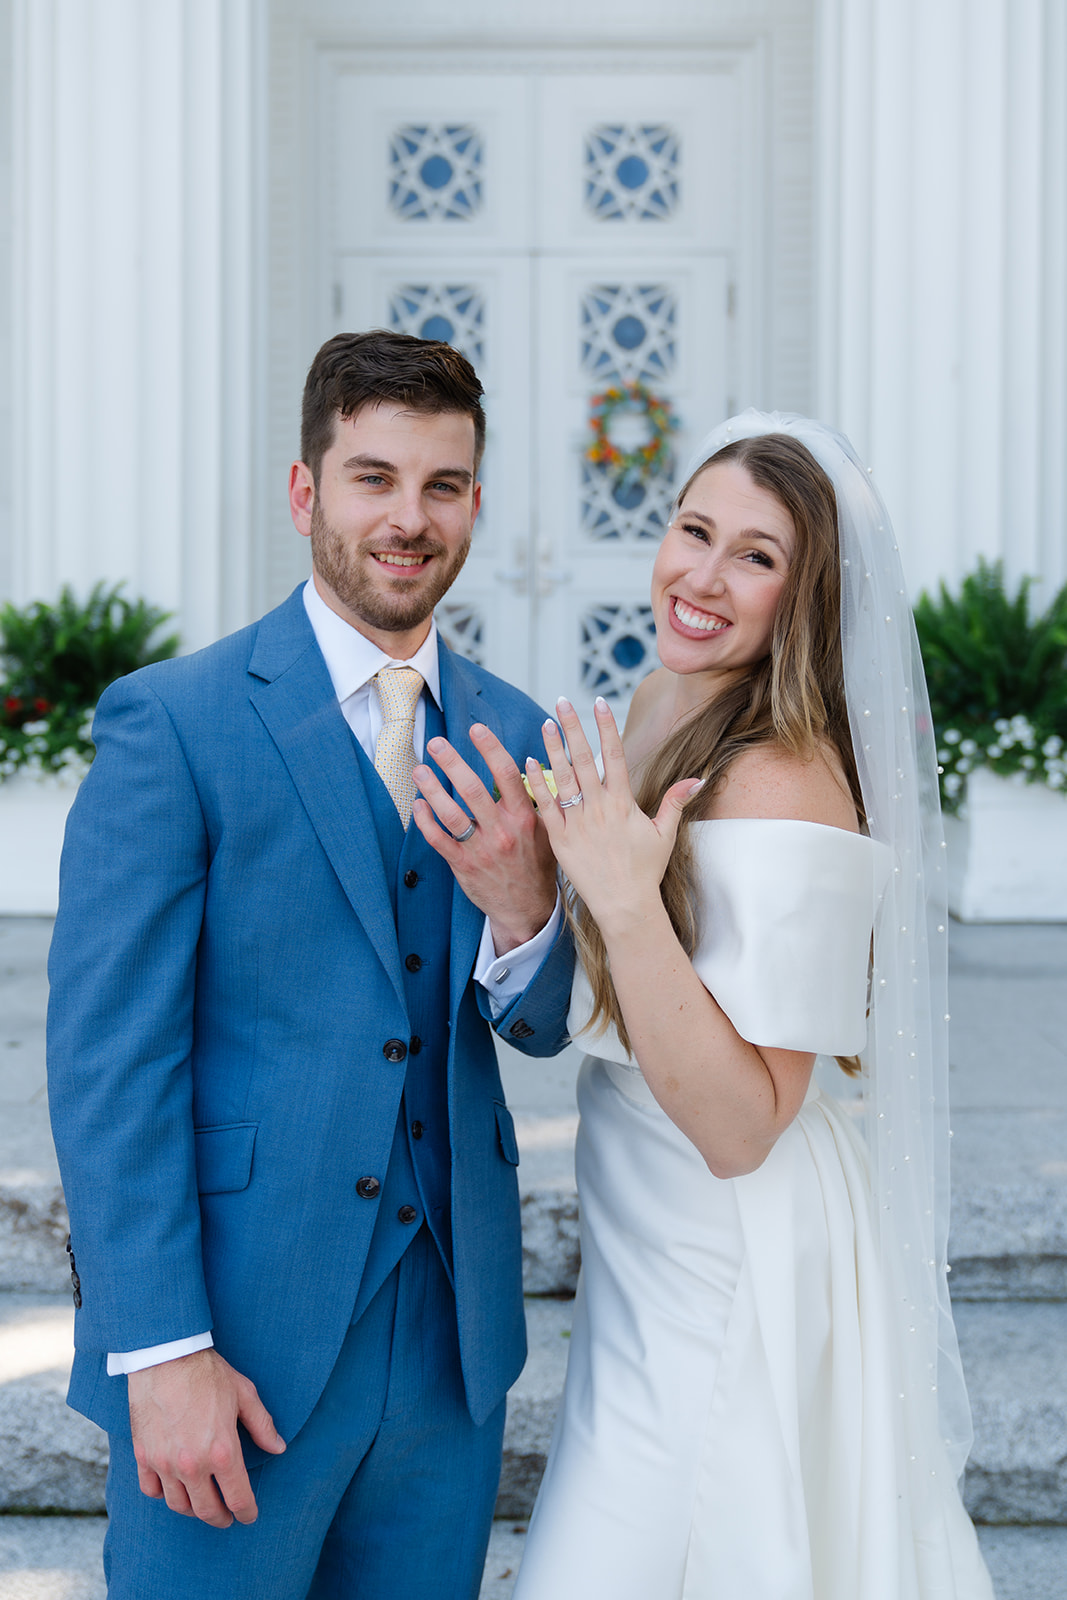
(386, 1491)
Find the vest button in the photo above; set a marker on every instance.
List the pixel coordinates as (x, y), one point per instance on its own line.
(407, 1214)
(368, 1188)
(394, 1050)
(416, 1044)
(411, 878)
(413, 963)
(416, 1130)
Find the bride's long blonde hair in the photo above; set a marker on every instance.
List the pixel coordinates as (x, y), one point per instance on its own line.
(794, 698)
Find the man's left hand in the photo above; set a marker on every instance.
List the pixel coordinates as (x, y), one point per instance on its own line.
(506, 867)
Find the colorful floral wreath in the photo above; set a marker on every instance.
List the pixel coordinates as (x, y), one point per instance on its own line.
(650, 458)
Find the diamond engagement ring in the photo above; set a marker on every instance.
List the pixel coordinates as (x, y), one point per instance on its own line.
(575, 800)
(468, 833)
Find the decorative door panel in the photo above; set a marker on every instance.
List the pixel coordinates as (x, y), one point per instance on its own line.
(430, 161)
(659, 322)
(569, 233)
(638, 162)
(481, 306)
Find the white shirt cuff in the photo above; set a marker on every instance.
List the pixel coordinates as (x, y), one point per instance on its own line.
(122, 1361)
(505, 977)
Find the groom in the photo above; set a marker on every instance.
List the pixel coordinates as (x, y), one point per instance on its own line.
(283, 1140)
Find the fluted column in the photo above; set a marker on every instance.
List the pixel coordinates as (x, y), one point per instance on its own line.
(943, 246)
(136, 298)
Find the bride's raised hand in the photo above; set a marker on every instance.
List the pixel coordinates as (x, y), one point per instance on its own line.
(613, 854)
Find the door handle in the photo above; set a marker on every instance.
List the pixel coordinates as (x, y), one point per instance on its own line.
(518, 576)
(548, 577)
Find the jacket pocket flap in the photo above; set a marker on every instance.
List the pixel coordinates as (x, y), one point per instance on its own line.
(224, 1157)
(505, 1129)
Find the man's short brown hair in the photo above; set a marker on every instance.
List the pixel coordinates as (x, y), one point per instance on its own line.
(353, 370)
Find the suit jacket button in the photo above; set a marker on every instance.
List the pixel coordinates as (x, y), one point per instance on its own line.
(407, 1213)
(417, 1130)
(368, 1188)
(394, 1050)
(413, 963)
(415, 1044)
(410, 879)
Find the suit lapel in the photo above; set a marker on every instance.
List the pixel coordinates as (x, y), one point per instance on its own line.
(292, 693)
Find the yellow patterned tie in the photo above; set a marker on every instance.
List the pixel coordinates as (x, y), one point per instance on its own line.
(394, 756)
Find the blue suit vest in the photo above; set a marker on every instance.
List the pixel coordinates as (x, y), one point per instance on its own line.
(417, 1186)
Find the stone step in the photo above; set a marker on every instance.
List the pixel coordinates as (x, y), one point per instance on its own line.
(1009, 1204)
(1015, 1356)
(1015, 1359)
(51, 1459)
(1008, 1241)
(1009, 1088)
(58, 1558)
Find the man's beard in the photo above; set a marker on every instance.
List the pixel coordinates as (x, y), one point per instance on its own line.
(409, 604)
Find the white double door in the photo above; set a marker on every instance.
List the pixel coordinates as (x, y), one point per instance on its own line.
(566, 232)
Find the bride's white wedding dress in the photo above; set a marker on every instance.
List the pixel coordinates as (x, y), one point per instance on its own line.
(733, 1425)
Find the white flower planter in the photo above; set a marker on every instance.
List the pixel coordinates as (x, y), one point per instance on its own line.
(33, 815)
(1007, 852)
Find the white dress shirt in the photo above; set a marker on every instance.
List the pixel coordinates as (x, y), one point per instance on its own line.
(352, 661)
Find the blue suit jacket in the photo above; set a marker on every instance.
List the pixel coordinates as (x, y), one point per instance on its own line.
(226, 997)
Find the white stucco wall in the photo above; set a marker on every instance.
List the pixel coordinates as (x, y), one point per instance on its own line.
(6, 301)
(162, 229)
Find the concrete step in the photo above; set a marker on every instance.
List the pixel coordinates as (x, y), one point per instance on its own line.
(532, 1405)
(1009, 1204)
(1009, 1089)
(1015, 1357)
(1008, 1240)
(33, 1218)
(1009, 1170)
(51, 1459)
(58, 1558)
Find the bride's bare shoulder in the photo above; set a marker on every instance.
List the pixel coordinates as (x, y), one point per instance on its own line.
(769, 781)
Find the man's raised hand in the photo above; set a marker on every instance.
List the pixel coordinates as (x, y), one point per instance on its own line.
(506, 866)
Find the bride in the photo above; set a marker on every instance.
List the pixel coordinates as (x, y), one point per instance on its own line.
(763, 1398)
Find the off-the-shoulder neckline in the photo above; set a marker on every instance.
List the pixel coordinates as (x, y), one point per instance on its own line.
(792, 822)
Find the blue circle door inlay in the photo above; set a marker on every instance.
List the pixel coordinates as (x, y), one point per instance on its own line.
(632, 172)
(436, 172)
(437, 327)
(628, 495)
(627, 652)
(628, 332)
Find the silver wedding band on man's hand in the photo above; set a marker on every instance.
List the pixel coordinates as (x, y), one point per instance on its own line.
(468, 833)
(575, 800)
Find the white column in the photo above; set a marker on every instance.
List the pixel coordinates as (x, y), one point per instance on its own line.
(943, 254)
(136, 301)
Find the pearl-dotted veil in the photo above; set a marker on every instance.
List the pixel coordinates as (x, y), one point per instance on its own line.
(905, 1063)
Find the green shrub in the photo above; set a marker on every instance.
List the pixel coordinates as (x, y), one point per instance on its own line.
(56, 662)
(997, 676)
